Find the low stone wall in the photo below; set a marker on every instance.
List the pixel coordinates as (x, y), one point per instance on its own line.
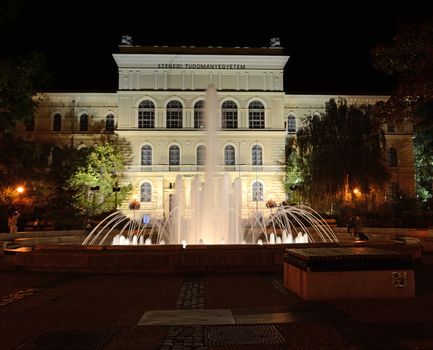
(393, 232)
(156, 259)
(171, 258)
(415, 249)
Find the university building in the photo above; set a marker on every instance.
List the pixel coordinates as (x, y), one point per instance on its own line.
(159, 108)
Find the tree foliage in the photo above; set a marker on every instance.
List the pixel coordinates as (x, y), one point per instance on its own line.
(24, 163)
(296, 170)
(22, 75)
(103, 166)
(408, 58)
(423, 145)
(22, 69)
(340, 150)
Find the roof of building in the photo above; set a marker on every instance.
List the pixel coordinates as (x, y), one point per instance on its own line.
(202, 50)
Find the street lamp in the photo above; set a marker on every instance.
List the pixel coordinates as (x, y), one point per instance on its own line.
(293, 188)
(94, 189)
(13, 195)
(116, 189)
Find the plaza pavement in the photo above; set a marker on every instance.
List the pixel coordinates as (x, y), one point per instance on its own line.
(101, 311)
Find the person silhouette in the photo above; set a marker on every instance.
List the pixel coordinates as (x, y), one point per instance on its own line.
(359, 235)
(13, 221)
(350, 224)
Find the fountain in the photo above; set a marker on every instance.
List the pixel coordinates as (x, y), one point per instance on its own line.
(287, 224)
(214, 215)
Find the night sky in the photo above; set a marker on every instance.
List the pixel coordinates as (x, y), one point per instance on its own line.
(329, 45)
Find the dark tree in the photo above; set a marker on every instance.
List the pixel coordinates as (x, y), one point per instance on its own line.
(423, 145)
(342, 150)
(408, 58)
(22, 76)
(22, 69)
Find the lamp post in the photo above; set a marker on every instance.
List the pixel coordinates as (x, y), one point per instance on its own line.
(134, 205)
(116, 189)
(94, 189)
(13, 194)
(293, 188)
(257, 192)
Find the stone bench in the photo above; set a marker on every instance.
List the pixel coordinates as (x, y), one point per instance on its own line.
(348, 273)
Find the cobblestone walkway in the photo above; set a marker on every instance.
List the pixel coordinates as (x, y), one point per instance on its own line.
(191, 296)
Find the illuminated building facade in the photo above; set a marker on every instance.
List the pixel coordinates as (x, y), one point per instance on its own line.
(158, 109)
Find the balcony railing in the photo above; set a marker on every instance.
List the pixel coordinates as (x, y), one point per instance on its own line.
(201, 168)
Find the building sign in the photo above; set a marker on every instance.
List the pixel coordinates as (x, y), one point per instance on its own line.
(200, 66)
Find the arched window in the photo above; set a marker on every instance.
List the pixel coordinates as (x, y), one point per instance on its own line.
(257, 192)
(392, 159)
(291, 123)
(229, 112)
(109, 123)
(146, 114)
(146, 192)
(84, 122)
(229, 155)
(201, 155)
(57, 122)
(146, 155)
(174, 115)
(199, 115)
(174, 155)
(256, 155)
(256, 115)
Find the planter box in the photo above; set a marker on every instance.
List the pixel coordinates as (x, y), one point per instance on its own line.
(348, 273)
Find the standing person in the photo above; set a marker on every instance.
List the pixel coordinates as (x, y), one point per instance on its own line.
(36, 224)
(13, 221)
(350, 224)
(359, 235)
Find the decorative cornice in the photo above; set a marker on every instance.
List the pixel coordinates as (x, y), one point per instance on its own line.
(161, 61)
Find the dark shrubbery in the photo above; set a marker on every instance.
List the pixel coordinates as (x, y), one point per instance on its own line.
(403, 212)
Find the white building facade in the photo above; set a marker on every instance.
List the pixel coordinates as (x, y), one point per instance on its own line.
(159, 108)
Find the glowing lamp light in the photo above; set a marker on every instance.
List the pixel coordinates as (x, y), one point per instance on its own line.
(134, 204)
(357, 192)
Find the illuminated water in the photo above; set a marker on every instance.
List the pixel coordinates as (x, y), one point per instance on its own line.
(288, 224)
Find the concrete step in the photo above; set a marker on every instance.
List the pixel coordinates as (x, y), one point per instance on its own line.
(33, 234)
(31, 241)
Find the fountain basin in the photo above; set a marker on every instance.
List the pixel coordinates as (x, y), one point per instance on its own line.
(157, 258)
